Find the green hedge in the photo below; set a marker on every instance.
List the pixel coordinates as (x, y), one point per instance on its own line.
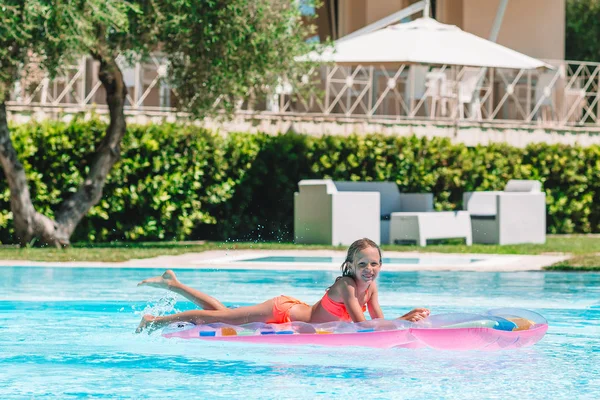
(184, 182)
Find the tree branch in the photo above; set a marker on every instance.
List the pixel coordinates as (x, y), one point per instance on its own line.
(29, 224)
(107, 154)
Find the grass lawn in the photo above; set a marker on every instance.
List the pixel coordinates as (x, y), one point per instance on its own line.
(585, 250)
(585, 262)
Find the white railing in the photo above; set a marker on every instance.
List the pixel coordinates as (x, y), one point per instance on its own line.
(566, 96)
(77, 88)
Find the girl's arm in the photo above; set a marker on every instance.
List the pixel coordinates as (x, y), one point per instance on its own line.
(373, 303)
(350, 299)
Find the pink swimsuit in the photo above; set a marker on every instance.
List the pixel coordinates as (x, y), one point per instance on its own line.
(337, 309)
(282, 306)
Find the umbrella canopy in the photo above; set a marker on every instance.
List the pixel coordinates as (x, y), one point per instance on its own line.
(426, 41)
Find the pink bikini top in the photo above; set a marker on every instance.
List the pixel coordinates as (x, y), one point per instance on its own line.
(337, 309)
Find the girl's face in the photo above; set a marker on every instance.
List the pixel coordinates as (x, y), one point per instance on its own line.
(366, 265)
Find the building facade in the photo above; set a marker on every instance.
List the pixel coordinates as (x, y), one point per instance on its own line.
(532, 27)
(560, 104)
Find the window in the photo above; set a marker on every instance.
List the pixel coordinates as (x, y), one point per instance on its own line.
(307, 7)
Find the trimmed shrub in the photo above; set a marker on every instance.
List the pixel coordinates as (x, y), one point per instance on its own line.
(177, 182)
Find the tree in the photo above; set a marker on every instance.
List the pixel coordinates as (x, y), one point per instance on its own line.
(582, 30)
(218, 52)
(46, 33)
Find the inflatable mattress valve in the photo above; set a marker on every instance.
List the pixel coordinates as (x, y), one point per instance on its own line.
(522, 324)
(323, 332)
(228, 331)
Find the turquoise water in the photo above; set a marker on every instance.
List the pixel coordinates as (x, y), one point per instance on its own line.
(68, 333)
(386, 260)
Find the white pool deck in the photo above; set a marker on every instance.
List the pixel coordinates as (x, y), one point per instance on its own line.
(231, 259)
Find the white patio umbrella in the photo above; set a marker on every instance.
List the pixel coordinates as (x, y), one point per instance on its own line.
(426, 41)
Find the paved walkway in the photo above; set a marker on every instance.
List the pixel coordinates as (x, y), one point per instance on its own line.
(232, 259)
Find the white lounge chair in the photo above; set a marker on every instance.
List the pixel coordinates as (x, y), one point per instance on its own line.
(515, 215)
(418, 227)
(467, 87)
(544, 95)
(415, 88)
(329, 212)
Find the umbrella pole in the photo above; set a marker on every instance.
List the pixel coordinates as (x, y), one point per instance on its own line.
(493, 38)
(498, 20)
(491, 95)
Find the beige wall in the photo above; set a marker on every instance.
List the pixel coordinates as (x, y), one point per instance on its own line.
(450, 12)
(377, 9)
(533, 27)
(352, 15)
(355, 14)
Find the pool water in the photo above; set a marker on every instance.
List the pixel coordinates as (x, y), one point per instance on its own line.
(68, 333)
(385, 261)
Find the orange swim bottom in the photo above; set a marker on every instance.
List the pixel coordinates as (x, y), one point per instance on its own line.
(281, 309)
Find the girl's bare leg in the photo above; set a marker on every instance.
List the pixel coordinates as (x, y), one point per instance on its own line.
(238, 316)
(169, 281)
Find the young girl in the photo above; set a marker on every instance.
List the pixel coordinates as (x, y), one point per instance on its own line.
(346, 300)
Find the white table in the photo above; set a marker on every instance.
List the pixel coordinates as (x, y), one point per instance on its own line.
(420, 226)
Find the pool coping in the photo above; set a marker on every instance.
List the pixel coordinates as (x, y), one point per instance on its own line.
(230, 260)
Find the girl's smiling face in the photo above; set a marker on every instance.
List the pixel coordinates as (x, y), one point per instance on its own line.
(366, 265)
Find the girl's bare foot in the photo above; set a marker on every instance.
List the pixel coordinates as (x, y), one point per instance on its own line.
(416, 315)
(146, 324)
(163, 281)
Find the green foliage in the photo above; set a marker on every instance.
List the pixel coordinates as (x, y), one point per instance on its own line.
(220, 52)
(582, 30)
(167, 179)
(217, 51)
(46, 32)
(183, 182)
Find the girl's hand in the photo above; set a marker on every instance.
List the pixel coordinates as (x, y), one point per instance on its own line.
(416, 315)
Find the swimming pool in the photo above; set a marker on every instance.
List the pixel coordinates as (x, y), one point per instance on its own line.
(446, 260)
(68, 333)
(319, 260)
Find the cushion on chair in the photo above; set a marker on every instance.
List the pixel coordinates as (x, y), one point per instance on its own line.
(483, 217)
(388, 193)
(516, 185)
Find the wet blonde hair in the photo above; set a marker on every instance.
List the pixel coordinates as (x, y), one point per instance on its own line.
(353, 250)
